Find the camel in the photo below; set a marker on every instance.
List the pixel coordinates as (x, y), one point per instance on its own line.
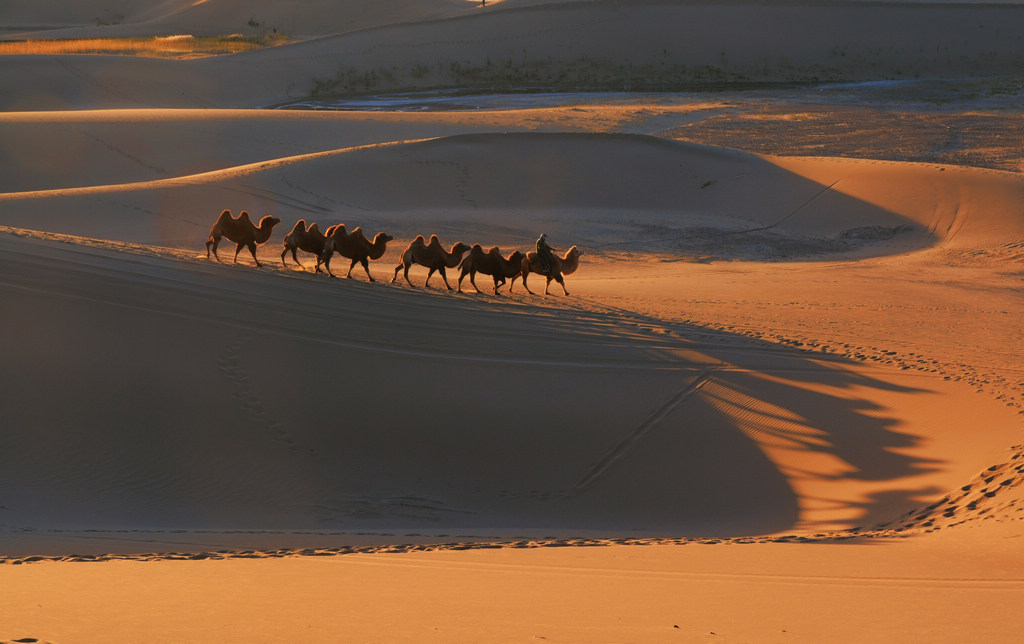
(432, 255)
(310, 240)
(490, 263)
(355, 246)
(566, 265)
(241, 231)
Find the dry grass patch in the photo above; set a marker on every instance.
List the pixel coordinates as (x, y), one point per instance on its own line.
(178, 46)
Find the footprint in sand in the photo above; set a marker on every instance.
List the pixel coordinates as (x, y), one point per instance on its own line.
(230, 364)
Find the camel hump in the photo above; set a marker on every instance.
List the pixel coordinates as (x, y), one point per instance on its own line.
(494, 251)
(419, 241)
(336, 229)
(434, 241)
(358, 233)
(301, 224)
(224, 219)
(244, 216)
(477, 248)
(313, 227)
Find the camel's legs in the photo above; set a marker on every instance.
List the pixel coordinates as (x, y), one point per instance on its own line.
(430, 273)
(558, 278)
(238, 247)
(366, 267)
(214, 241)
(252, 251)
(472, 280)
(445, 278)
(406, 273)
(294, 256)
(525, 285)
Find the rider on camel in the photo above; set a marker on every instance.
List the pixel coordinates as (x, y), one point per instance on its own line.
(544, 253)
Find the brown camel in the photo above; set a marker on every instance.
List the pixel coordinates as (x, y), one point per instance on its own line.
(310, 240)
(241, 231)
(432, 255)
(560, 266)
(490, 263)
(355, 246)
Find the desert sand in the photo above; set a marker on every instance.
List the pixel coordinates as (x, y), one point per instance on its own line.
(782, 403)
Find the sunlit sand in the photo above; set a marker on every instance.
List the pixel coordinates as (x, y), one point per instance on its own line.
(782, 401)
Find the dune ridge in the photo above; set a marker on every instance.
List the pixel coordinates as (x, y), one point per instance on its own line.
(454, 184)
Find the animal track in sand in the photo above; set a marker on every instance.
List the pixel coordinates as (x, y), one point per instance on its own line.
(230, 364)
(977, 500)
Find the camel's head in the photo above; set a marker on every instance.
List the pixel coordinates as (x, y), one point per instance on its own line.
(459, 248)
(382, 237)
(269, 221)
(575, 252)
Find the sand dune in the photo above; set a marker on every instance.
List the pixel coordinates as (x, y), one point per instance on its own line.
(462, 368)
(583, 185)
(783, 403)
(567, 45)
(215, 17)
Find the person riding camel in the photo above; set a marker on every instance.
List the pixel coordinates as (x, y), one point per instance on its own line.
(544, 253)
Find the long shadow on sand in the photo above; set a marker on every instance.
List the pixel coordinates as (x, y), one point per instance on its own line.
(194, 395)
(279, 402)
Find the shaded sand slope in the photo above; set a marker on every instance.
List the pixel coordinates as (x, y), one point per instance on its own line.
(236, 399)
(572, 45)
(89, 148)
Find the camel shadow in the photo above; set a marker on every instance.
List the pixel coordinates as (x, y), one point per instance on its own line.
(583, 421)
(357, 407)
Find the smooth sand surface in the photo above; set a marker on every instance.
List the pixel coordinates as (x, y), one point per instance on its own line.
(783, 401)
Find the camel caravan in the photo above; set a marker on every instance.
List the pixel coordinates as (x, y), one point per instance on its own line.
(430, 254)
